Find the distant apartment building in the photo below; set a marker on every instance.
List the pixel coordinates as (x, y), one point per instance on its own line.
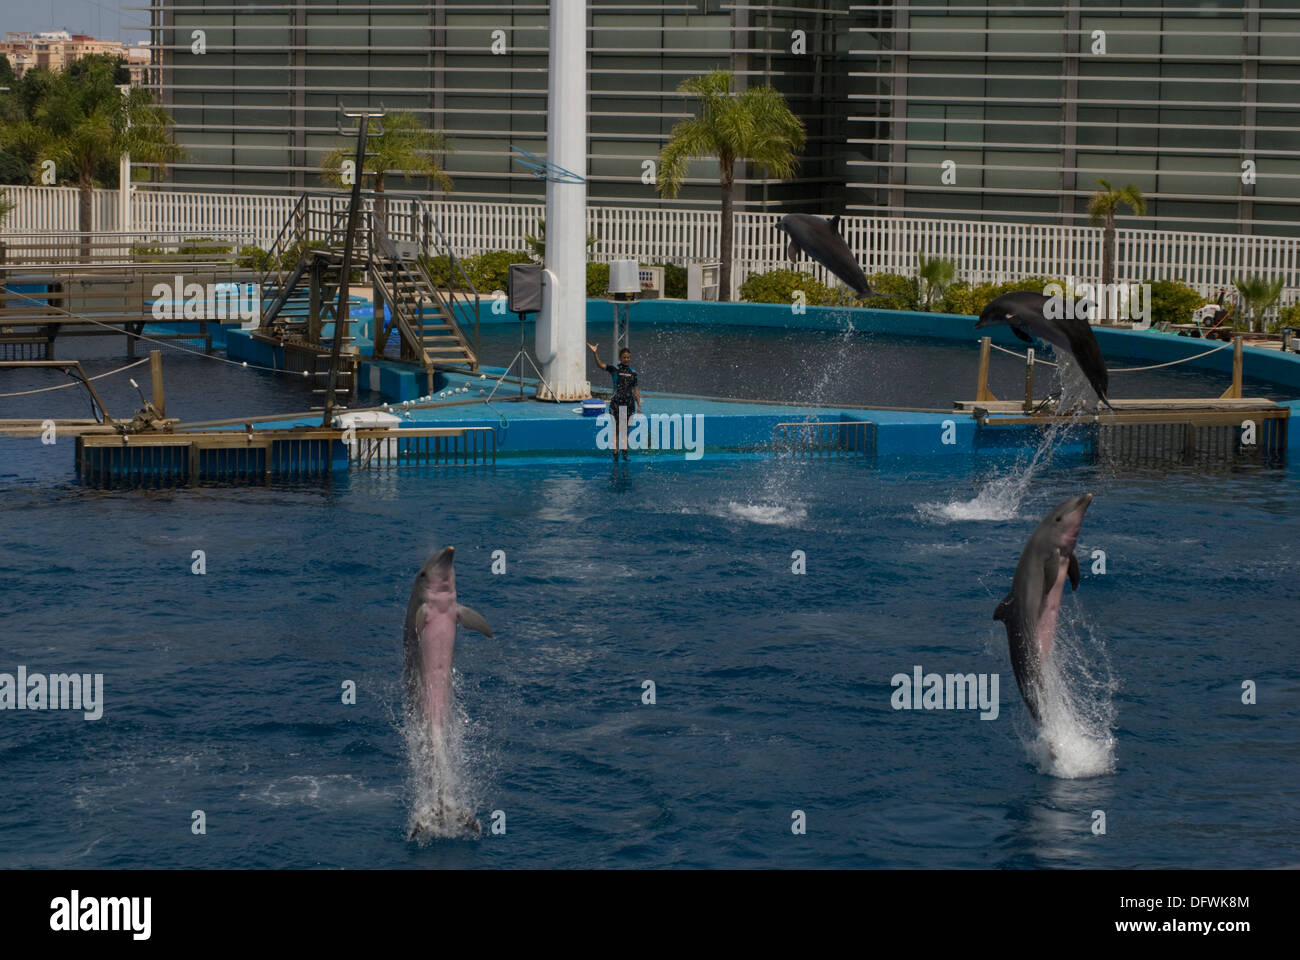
(55, 49)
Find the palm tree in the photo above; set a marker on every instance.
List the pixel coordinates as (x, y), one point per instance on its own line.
(755, 126)
(1101, 211)
(934, 277)
(406, 146)
(84, 123)
(1257, 296)
(537, 244)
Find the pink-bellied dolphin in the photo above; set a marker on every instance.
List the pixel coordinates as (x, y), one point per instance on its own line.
(1022, 311)
(820, 239)
(429, 641)
(1031, 609)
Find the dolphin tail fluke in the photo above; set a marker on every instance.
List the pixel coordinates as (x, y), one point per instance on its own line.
(473, 620)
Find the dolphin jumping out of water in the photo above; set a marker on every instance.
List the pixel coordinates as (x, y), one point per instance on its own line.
(429, 639)
(1031, 609)
(820, 239)
(1022, 311)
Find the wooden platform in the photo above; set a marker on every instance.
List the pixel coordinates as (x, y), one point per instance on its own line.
(259, 456)
(1213, 411)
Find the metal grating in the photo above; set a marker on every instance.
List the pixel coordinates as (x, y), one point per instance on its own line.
(817, 438)
(1156, 443)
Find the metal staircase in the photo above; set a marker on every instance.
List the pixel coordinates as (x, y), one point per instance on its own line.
(300, 284)
(423, 313)
(301, 276)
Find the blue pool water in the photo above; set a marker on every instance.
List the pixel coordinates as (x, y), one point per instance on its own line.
(222, 691)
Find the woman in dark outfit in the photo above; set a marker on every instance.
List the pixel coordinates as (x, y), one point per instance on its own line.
(626, 393)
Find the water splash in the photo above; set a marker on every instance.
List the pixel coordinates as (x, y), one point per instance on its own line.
(1001, 497)
(443, 799)
(781, 515)
(1075, 737)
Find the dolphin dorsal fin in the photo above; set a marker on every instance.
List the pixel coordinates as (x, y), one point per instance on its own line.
(472, 620)
(1004, 609)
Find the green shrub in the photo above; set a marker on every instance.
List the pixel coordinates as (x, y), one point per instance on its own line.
(778, 286)
(491, 271)
(597, 279)
(900, 292)
(674, 281)
(204, 247)
(253, 258)
(1288, 316)
(1173, 302)
(970, 299)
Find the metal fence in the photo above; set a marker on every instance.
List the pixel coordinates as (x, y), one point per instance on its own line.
(981, 250)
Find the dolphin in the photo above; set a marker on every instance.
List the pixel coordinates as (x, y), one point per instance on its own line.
(1022, 311)
(429, 639)
(821, 240)
(1030, 610)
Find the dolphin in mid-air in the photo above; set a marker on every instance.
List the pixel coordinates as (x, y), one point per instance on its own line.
(1022, 311)
(1031, 609)
(821, 240)
(429, 639)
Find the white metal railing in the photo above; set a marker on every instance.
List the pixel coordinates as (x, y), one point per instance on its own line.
(982, 251)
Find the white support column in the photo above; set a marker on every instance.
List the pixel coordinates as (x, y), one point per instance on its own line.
(124, 181)
(562, 324)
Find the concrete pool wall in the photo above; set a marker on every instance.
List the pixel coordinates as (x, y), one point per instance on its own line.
(555, 429)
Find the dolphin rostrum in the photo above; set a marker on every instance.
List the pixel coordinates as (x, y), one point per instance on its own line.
(429, 639)
(821, 240)
(1031, 609)
(1022, 311)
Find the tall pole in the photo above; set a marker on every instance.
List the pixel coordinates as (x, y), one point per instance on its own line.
(562, 324)
(341, 312)
(124, 176)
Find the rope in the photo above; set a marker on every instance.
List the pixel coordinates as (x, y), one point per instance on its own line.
(74, 383)
(1154, 366)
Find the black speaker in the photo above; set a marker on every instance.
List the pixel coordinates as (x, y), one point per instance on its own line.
(525, 287)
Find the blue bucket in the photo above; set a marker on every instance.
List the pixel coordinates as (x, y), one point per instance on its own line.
(593, 408)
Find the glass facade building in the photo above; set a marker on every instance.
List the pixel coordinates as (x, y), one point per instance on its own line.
(947, 108)
(1194, 101)
(256, 101)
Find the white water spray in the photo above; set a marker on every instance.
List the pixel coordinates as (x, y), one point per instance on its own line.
(1075, 736)
(443, 801)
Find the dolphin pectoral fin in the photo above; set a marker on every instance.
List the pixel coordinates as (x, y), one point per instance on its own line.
(1004, 609)
(1022, 335)
(472, 620)
(835, 224)
(1074, 572)
(792, 251)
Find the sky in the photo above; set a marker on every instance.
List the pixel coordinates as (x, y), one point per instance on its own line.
(102, 19)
